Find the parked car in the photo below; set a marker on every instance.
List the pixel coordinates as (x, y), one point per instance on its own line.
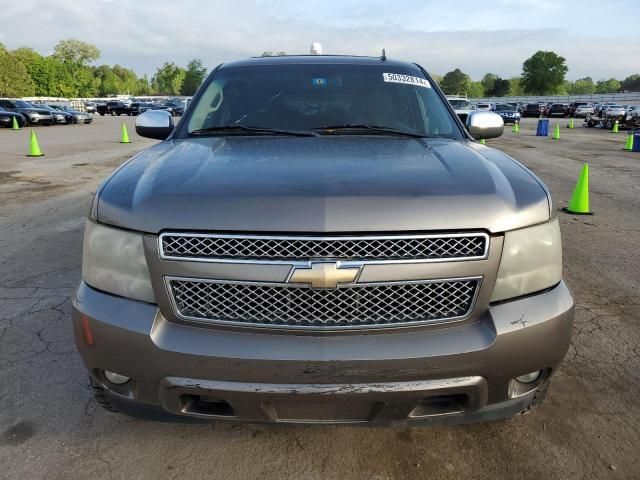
(583, 110)
(602, 107)
(461, 105)
(101, 108)
(633, 111)
(509, 113)
(176, 109)
(573, 107)
(384, 267)
(78, 116)
(113, 108)
(613, 111)
(6, 118)
(118, 108)
(484, 106)
(531, 110)
(555, 109)
(90, 107)
(59, 116)
(136, 108)
(33, 115)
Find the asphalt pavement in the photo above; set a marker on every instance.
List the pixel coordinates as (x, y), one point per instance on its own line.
(51, 428)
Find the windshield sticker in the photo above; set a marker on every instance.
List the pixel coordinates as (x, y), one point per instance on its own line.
(406, 79)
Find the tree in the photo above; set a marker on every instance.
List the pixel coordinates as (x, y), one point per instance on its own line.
(487, 82)
(515, 86)
(168, 79)
(456, 83)
(476, 90)
(15, 80)
(436, 78)
(76, 51)
(543, 73)
(500, 88)
(143, 87)
(631, 83)
(51, 78)
(608, 86)
(195, 73)
(582, 86)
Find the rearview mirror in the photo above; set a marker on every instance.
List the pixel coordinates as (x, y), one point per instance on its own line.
(482, 124)
(156, 124)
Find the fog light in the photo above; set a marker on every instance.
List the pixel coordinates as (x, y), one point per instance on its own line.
(529, 377)
(116, 378)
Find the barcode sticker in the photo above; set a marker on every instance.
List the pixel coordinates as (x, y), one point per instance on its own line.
(406, 79)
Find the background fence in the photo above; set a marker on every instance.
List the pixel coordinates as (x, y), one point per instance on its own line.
(627, 98)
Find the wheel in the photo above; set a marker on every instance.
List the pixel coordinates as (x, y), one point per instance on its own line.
(538, 397)
(101, 397)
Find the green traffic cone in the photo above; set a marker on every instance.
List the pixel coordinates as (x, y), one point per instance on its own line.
(570, 123)
(628, 145)
(14, 124)
(34, 148)
(514, 129)
(615, 127)
(483, 141)
(125, 135)
(579, 203)
(556, 132)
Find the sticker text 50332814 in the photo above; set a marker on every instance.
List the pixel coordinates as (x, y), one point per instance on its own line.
(406, 79)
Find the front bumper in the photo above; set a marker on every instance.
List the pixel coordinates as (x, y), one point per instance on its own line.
(506, 119)
(443, 374)
(39, 119)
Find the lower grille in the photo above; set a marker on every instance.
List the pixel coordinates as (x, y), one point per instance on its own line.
(366, 305)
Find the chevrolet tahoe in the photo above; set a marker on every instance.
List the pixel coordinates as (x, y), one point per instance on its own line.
(320, 239)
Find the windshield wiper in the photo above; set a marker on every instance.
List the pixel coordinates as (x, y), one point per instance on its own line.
(246, 129)
(376, 129)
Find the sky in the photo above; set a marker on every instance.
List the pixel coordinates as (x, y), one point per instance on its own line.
(598, 38)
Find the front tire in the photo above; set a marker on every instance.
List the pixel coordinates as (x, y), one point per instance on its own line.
(539, 396)
(101, 397)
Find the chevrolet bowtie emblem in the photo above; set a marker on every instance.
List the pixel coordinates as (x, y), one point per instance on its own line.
(324, 275)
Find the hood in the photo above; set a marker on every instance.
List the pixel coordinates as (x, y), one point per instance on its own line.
(321, 184)
(40, 111)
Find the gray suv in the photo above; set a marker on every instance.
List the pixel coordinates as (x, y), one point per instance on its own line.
(320, 239)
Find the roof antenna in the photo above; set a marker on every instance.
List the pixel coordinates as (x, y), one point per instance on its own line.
(383, 57)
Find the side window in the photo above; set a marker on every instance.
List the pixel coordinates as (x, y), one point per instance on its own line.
(437, 120)
(207, 111)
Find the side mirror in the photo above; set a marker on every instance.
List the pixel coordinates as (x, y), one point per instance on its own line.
(484, 124)
(156, 124)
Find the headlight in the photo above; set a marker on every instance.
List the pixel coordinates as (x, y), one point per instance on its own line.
(113, 261)
(531, 261)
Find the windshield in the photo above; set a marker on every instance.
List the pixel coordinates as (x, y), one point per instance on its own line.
(503, 108)
(305, 97)
(23, 104)
(460, 104)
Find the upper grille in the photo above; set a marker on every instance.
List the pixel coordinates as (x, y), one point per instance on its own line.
(375, 305)
(256, 247)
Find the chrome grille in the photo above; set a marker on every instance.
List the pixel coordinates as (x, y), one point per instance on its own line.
(242, 247)
(373, 305)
